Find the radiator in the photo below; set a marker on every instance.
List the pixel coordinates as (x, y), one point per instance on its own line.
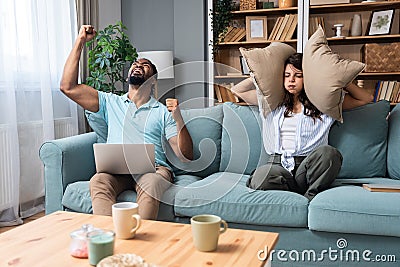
(28, 166)
(7, 169)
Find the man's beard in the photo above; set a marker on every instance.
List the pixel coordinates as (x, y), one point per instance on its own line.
(136, 80)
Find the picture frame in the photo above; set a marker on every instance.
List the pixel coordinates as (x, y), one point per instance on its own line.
(380, 22)
(256, 28)
(243, 66)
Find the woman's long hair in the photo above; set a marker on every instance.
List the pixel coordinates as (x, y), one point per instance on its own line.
(288, 100)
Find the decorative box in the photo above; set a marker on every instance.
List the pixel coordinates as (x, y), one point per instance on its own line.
(328, 2)
(248, 4)
(381, 57)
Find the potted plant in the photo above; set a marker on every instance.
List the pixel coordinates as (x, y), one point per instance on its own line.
(221, 16)
(111, 54)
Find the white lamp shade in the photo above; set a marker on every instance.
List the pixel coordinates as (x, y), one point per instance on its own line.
(164, 61)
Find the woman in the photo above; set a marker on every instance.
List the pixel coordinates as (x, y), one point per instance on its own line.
(295, 134)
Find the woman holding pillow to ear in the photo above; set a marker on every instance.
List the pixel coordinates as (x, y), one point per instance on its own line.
(301, 160)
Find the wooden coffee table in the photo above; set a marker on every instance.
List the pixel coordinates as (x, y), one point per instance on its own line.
(45, 242)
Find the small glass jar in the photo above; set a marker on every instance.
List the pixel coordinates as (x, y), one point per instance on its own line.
(79, 247)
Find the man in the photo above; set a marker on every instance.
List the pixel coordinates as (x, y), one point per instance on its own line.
(137, 117)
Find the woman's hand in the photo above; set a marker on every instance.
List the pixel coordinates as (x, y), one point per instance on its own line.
(356, 97)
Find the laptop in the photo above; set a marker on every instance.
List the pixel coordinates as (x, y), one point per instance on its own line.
(124, 158)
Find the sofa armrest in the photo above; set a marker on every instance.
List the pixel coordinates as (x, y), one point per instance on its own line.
(66, 161)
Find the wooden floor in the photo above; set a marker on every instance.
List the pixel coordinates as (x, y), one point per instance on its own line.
(27, 220)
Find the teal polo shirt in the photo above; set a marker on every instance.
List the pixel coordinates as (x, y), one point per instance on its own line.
(151, 123)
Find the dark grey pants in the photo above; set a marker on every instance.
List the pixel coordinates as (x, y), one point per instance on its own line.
(311, 175)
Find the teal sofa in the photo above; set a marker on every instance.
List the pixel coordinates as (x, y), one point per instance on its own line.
(345, 225)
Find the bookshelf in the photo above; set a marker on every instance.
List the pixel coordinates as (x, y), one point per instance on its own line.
(351, 46)
(228, 51)
(348, 47)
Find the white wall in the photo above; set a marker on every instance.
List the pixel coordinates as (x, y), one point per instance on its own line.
(177, 25)
(109, 12)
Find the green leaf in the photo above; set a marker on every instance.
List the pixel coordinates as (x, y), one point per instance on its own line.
(109, 53)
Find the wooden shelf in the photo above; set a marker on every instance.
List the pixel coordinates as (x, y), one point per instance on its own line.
(338, 8)
(239, 76)
(364, 39)
(257, 42)
(379, 75)
(352, 7)
(272, 11)
(236, 103)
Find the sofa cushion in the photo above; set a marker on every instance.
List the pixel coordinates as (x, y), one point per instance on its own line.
(352, 209)
(326, 74)
(241, 146)
(225, 194)
(98, 124)
(266, 66)
(77, 196)
(362, 140)
(205, 127)
(393, 153)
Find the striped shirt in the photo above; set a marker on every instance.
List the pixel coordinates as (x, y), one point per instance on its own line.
(310, 134)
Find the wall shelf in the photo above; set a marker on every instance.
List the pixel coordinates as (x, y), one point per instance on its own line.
(239, 76)
(256, 42)
(348, 47)
(349, 40)
(272, 11)
(379, 75)
(340, 8)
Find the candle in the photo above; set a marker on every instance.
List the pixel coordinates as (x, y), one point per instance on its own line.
(78, 246)
(101, 245)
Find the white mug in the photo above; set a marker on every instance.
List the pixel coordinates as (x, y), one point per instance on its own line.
(126, 219)
(206, 230)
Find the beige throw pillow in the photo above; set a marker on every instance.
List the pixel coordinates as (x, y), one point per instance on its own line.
(266, 66)
(326, 74)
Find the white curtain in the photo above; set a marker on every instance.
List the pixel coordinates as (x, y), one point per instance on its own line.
(36, 37)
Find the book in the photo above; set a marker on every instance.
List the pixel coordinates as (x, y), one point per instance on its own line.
(390, 87)
(218, 93)
(224, 94)
(314, 22)
(292, 28)
(311, 26)
(229, 95)
(287, 27)
(233, 74)
(232, 32)
(395, 91)
(382, 188)
(397, 98)
(282, 27)
(321, 22)
(377, 88)
(239, 35)
(228, 32)
(235, 97)
(275, 29)
(383, 91)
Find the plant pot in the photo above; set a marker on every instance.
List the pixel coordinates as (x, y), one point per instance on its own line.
(287, 3)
